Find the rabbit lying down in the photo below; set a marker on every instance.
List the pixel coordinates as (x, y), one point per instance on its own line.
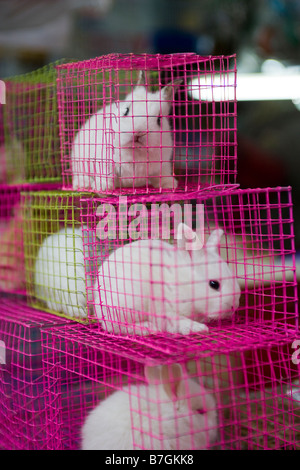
(127, 144)
(150, 286)
(171, 412)
(169, 285)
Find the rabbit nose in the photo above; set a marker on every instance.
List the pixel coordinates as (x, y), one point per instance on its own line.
(138, 136)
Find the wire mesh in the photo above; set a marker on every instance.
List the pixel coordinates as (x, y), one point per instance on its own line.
(235, 261)
(182, 286)
(12, 263)
(22, 383)
(53, 251)
(30, 150)
(117, 394)
(148, 122)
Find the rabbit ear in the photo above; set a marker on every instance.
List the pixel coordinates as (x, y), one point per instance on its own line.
(214, 239)
(142, 78)
(152, 374)
(167, 91)
(171, 378)
(187, 239)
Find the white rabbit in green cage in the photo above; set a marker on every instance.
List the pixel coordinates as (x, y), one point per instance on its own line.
(172, 412)
(60, 276)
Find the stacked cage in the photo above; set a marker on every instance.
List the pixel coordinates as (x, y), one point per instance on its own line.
(29, 162)
(185, 321)
(208, 393)
(169, 292)
(127, 128)
(23, 392)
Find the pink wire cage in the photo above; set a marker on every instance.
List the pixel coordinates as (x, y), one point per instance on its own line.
(147, 123)
(144, 277)
(117, 394)
(22, 383)
(122, 263)
(142, 272)
(12, 261)
(30, 150)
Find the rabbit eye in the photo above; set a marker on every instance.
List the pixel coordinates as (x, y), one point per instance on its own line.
(126, 111)
(214, 285)
(159, 120)
(200, 411)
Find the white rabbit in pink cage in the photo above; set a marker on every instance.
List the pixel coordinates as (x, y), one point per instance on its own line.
(127, 143)
(151, 286)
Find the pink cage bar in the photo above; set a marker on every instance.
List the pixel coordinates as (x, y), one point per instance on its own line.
(119, 394)
(23, 401)
(147, 123)
(12, 262)
(233, 262)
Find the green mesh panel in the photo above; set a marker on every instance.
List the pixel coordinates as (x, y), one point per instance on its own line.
(31, 127)
(45, 213)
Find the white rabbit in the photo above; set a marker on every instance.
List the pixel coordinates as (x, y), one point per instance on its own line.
(127, 143)
(172, 412)
(150, 285)
(59, 273)
(60, 278)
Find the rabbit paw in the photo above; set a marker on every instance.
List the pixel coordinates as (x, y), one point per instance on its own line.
(76, 182)
(82, 182)
(140, 329)
(186, 326)
(166, 182)
(175, 183)
(104, 185)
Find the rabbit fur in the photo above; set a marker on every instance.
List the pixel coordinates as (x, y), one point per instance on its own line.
(149, 286)
(171, 412)
(60, 278)
(127, 143)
